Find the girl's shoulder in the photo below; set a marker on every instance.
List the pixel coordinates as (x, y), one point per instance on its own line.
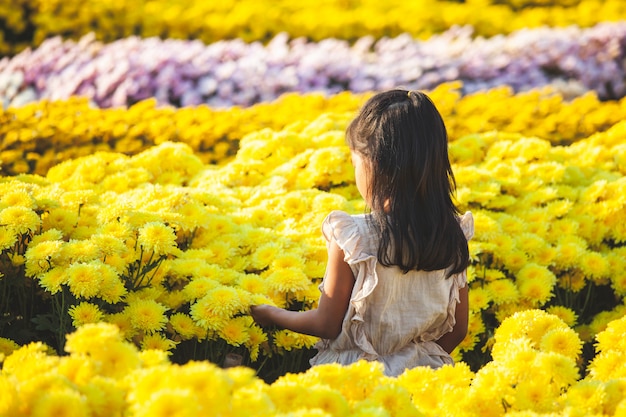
(350, 231)
(340, 220)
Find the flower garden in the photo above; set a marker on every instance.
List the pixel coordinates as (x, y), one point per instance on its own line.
(166, 164)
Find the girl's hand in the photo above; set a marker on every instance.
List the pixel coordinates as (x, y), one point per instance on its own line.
(262, 314)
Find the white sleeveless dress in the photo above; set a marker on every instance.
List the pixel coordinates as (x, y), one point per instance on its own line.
(392, 317)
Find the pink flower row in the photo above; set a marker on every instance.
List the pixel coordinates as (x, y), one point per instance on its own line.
(227, 73)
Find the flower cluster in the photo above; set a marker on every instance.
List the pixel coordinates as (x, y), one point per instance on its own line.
(174, 251)
(232, 72)
(37, 136)
(533, 373)
(30, 22)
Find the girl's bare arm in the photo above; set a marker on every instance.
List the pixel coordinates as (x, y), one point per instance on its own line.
(326, 320)
(451, 340)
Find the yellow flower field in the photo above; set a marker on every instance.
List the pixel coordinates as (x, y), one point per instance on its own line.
(533, 373)
(40, 135)
(29, 22)
(174, 250)
(133, 241)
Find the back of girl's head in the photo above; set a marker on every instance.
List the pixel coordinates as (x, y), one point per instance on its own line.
(403, 138)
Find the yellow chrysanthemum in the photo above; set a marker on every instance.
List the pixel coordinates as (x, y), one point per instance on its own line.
(220, 253)
(64, 402)
(479, 298)
(534, 394)
(29, 362)
(285, 339)
(168, 402)
(562, 227)
(587, 397)
(52, 280)
(158, 238)
(607, 366)
(147, 293)
(264, 255)
(91, 336)
(8, 237)
(42, 256)
(223, 300)
(289, 340)
(199, 287)
(77, 368)
(117, 229)
(112, 289)
(510, 223)
(252, 283)
(594, 265)
(84, 313)
(530, 243)
(564, 341)
(531, 323)
(419, 382)
(80, 251)
(19, 219)
(18, 198)
(566, 314)
(569, 250)
(183, 325)
(535, 283)
(485, 395)
(563, 371)
(193, 215)
(288, 280)
(515, 354)
(235, 330)
(328, 400)
(186, 267)
(154, 357)
(108, 245)
(205, 316)
(60, 219)
(287, 395)
(52, 234)
(368, 409)
(157, 341)
(147, 315)
(251, 398)
(105, 396)
(84, 279)
(395, 399)
(256, 337)
(544, 255)
(502, 291)
(227, 275)
(616, 393)
(503, 241)
(123, 323)
(7, 346)
(612, 336)
(172, 299)
(513, 260)
(288, 260)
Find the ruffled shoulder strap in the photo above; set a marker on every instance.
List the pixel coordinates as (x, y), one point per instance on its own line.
(467, 224)
(343, 229)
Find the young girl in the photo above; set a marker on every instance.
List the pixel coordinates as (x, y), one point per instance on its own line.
(395, 288)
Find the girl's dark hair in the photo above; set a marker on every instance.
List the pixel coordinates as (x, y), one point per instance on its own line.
(403, 139)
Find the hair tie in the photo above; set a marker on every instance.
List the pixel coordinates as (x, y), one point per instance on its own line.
(408, 94)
